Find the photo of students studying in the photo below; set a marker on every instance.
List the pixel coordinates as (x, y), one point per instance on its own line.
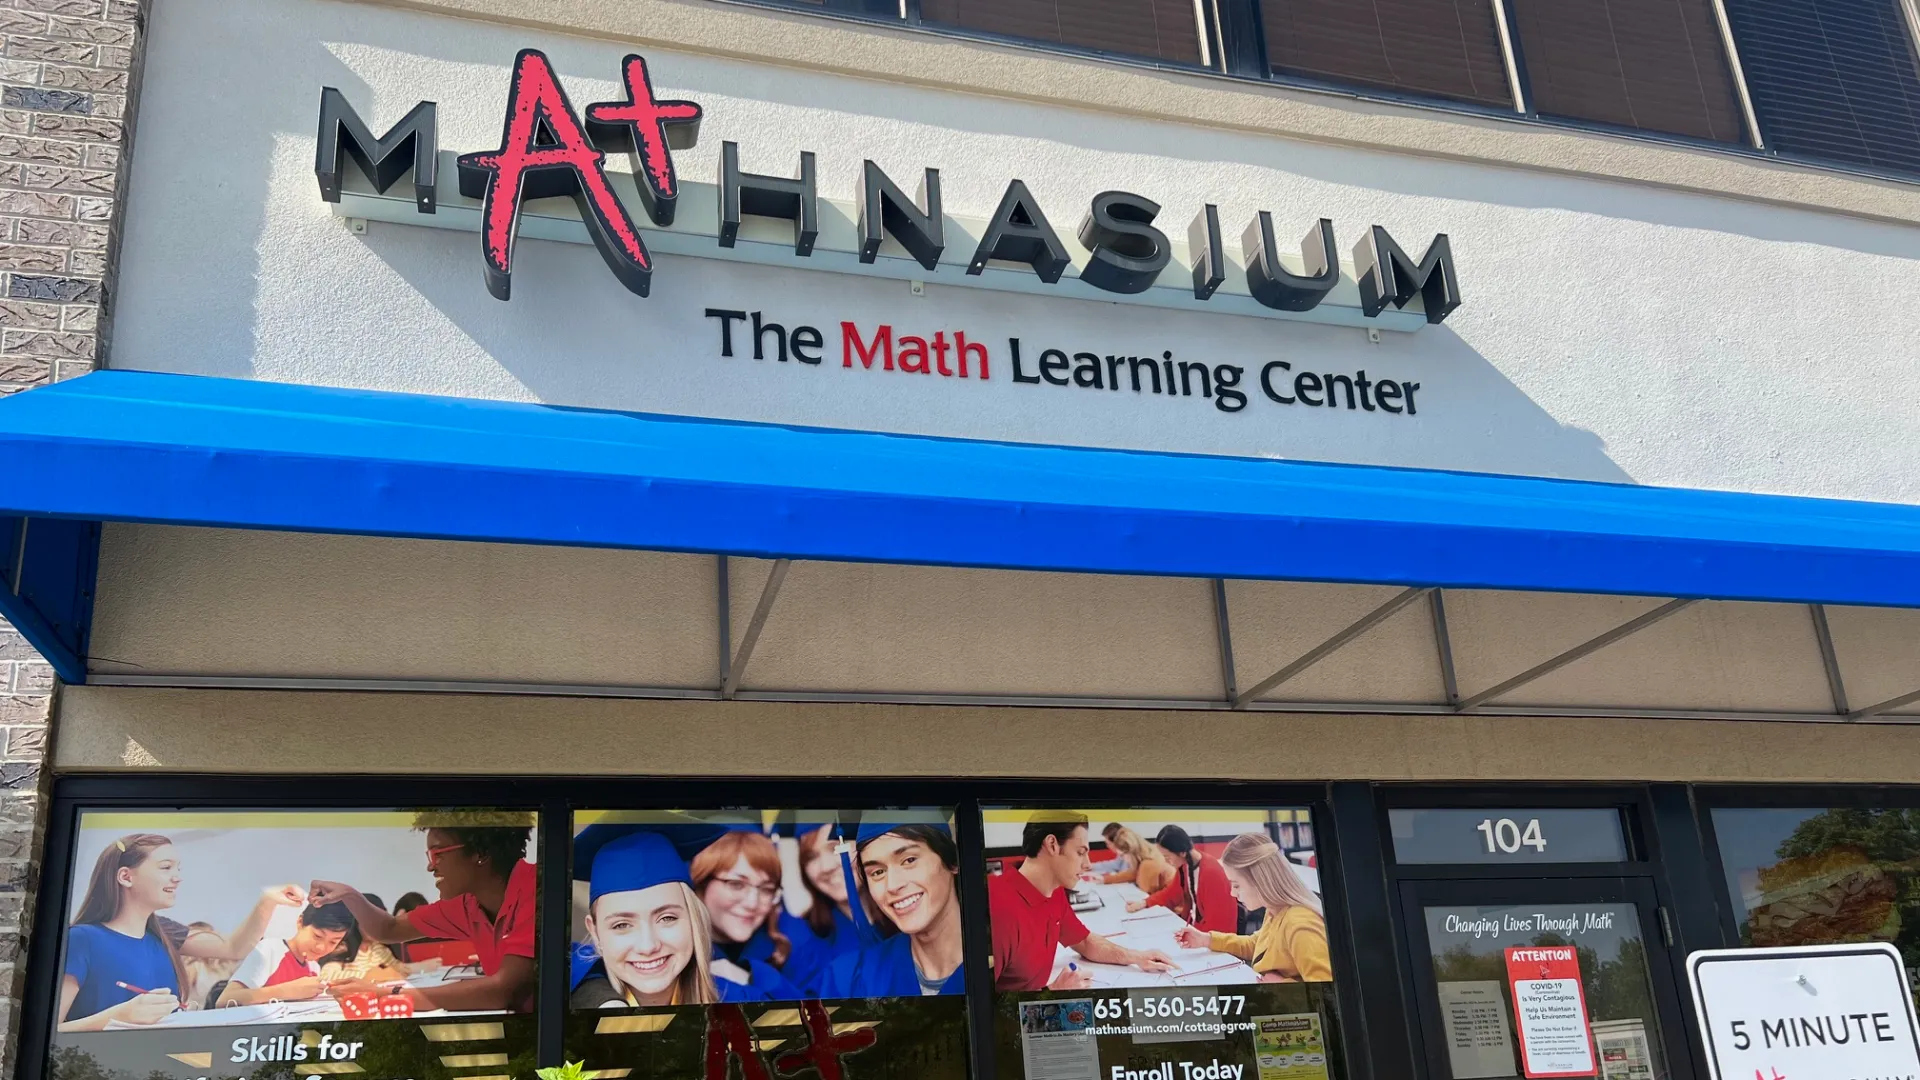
(1174, 927)
(198, 919)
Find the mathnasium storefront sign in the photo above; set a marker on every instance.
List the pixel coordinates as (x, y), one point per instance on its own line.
(1119, 253)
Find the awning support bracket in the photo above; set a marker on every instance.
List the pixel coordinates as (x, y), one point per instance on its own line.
(1332, 645)
(1829, 658)
(752, 637)
(724, 619)
(1885, 706)
(1443, 644)
(1578, 652)
(1223, 631)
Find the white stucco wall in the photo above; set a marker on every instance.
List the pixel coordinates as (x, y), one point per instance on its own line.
(1609, 331)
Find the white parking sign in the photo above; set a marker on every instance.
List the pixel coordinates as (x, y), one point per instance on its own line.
(1819, 1012)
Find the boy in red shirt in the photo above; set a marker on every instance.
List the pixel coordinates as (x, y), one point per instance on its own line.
(1031, 918)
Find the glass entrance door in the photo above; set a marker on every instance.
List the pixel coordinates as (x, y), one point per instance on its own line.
(1547, 978)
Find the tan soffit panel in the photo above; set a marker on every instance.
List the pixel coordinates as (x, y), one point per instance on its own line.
(269, 732)
(1879, 650)
(1277, 622)
(930, 630)
(1497, 635)
(1709, 656)
(229, 602)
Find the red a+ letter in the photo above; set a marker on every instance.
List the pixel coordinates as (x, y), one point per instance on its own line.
(544, 152)
(649, 130)
(824, 1049)
(728, 1038)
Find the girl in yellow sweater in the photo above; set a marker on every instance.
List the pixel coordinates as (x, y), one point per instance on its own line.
(1291, 945)
(1145, 866)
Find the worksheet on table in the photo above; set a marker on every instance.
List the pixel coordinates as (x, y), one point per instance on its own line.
(1148, 928)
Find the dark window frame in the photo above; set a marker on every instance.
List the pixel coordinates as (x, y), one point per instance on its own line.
(1711, 797)
(1236, 62)
(554, 799)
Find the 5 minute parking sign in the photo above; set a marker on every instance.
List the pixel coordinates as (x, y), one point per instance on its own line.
(1821, 1012)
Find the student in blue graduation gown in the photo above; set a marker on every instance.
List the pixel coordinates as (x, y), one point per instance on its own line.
(756, 943)
(911, 873)
(649, 938)
(828, 878)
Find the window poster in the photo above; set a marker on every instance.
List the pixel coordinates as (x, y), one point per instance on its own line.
(1158, 944)
(765, 943)
(385, 945)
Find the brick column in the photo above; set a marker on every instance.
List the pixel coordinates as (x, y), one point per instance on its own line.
(68, 71)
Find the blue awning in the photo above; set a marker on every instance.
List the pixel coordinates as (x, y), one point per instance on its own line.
(184, 450)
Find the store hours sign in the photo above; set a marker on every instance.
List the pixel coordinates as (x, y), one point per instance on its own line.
(1821, 1012)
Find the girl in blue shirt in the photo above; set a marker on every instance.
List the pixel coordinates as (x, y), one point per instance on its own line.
(123, 957)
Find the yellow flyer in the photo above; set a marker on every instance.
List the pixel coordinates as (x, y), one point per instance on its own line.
(1290, 1047)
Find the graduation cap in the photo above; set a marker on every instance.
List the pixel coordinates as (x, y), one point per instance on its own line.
(627, 857)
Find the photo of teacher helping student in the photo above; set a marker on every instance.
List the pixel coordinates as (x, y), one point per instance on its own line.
(1081, 899)
(234, 918)
(692, 908)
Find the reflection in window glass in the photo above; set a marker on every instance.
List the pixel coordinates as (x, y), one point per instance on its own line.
(1565, 986)
(1442, 48)
(767, 942)
(1658, 65)
(1158, 29)
(258, 943)
(1158, 943)
(1814, 877)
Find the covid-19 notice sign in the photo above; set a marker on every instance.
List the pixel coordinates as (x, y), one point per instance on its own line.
(1550, 1009)
(1818, 1012)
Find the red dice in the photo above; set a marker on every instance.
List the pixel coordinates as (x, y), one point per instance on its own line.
(375, 1007)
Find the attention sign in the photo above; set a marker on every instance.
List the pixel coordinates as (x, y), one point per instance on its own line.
(1550, 1009)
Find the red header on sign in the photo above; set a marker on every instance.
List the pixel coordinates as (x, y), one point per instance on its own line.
(1550, 1009)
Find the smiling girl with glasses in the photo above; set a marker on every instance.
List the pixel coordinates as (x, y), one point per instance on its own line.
(756, 942)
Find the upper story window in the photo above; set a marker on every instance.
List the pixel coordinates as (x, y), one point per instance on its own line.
(1832, 80)
(1439, 48)
(1656, 65)
(1166, 30)
(1829, 82)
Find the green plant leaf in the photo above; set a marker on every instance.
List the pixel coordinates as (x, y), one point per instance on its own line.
(572, 1070)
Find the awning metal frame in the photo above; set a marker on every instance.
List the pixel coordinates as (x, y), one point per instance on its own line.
(733, 662)
(226, 453)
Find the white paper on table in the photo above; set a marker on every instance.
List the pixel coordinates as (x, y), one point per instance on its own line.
(192, 1018)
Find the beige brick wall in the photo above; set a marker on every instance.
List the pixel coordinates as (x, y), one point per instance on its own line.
(68, 69)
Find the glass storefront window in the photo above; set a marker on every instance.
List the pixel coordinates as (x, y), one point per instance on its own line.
(298, 943)
(1820, 876)
(767, 942)
(1159, 944)
(1540, 990)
